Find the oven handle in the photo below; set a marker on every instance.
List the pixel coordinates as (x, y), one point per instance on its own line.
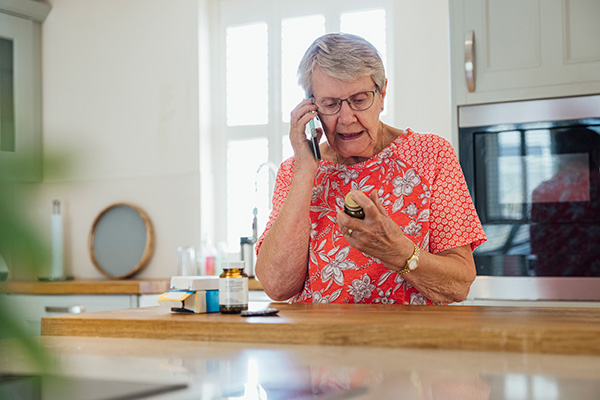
(470, 60)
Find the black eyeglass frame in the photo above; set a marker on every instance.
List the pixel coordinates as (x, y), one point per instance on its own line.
(347, 100)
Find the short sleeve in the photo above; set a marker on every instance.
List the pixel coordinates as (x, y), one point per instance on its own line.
(454, 221)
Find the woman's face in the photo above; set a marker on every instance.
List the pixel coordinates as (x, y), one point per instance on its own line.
(350, 133)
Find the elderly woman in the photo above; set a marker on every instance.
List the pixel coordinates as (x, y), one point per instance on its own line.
(414, 245)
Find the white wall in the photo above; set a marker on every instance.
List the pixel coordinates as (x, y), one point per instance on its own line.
(121, 97)
(422, 67)
(120, 101)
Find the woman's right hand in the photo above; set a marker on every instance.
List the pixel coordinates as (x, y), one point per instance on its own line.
(299, 117)
(282, 272)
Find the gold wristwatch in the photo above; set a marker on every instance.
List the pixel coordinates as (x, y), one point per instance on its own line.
(412, 263)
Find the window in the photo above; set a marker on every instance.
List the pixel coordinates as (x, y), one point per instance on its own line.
(7, 96)
(261, 43)
(247, 99)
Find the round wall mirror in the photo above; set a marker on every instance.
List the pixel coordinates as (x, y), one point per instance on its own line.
(121, 241)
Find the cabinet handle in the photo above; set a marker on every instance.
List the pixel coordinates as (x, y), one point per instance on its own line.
(470, 60)
(65, 310)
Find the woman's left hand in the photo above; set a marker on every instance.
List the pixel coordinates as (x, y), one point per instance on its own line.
(377, 234)
(444, 277)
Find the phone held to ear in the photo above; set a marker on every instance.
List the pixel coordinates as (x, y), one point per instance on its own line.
(314, 140)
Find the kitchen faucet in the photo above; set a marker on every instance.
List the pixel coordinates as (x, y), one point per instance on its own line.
(247, 243)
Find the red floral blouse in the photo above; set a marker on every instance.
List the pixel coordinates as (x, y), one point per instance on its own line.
(420, 184)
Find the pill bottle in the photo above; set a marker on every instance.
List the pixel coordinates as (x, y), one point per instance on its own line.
(352, 208)
(233, 288)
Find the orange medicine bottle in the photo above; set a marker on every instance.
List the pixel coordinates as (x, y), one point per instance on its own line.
(352, 208)
(233, 288)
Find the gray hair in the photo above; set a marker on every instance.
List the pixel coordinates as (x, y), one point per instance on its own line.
(342, 56)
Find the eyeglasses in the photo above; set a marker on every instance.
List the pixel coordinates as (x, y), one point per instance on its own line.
(358, 102)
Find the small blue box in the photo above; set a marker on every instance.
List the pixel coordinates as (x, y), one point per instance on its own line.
(191, 301)
(212, 301)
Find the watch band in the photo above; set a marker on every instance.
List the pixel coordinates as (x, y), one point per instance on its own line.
(411, 260)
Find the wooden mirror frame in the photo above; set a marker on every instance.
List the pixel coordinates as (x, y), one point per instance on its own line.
(148, 249)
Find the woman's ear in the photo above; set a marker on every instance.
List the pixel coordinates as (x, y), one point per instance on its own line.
(383, 92)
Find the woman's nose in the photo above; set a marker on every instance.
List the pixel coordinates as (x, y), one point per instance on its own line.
(346, 115)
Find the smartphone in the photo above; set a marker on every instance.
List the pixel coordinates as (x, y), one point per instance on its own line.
(314, 140)
(257, 313)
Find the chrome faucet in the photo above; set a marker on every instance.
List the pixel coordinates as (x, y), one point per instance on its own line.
(247, 243)
(272, 169)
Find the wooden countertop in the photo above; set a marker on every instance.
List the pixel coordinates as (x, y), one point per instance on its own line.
(513, 329)
(96, 286)
(87, 286)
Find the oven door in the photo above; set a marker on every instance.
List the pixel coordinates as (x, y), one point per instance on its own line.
(534, 176)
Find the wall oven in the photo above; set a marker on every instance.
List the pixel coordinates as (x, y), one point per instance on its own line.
(533, 169)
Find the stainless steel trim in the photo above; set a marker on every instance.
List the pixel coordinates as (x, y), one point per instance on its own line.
(499, 288)
(65, 310)
(535, 288)
(558, 109)
(470, 60)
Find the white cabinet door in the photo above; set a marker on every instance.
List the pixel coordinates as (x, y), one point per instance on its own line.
(20, 99)
(525, 49)
(32, 308)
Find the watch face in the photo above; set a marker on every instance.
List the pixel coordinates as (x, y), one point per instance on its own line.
(412, 264)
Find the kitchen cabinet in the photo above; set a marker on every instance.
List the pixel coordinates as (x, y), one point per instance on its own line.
(32, 308)
(20, 89)
(523, 49)
(32, 301)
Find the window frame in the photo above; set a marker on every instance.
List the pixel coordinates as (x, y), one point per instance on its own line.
(272, 12)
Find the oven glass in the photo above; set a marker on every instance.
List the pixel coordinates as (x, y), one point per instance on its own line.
(536, 188)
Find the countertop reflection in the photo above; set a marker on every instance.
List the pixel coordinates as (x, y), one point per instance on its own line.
(214, 370)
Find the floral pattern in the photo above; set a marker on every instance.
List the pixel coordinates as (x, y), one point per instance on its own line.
(333, 268)
(361, 288)
(417, 179)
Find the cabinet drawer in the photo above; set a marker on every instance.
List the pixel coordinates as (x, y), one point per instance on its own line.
(32, 308)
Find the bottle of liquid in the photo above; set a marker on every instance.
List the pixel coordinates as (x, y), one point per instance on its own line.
(247, 253)
(209, 253)
(233, 288)
(352, 208)
(56, 224)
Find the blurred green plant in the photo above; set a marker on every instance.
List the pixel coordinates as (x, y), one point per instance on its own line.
(22, 247)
